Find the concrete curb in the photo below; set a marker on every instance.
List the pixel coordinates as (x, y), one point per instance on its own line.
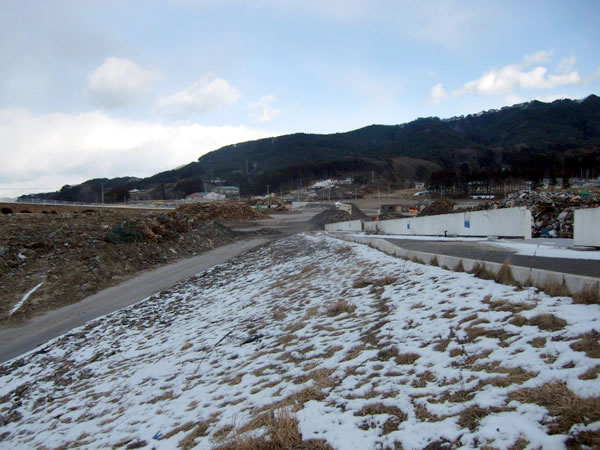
(563, 283)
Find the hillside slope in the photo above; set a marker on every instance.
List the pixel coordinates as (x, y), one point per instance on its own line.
(535, 125)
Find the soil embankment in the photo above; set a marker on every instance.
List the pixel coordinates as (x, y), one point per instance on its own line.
(73, 253)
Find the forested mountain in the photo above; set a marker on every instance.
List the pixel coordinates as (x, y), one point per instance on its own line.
(530, 140)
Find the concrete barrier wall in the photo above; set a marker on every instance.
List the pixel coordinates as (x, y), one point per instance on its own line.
(587, 227)
(505, 222)
(565, 283)
(352, 225)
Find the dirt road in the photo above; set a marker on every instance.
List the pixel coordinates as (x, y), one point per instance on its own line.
(16, 340)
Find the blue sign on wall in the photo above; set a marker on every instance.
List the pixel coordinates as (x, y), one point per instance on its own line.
(408, 226)
(467, 224)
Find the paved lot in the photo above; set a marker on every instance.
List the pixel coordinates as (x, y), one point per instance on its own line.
(486, 252)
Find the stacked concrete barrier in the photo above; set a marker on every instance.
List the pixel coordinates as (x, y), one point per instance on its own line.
(587, 227)
(506, 222)
(351, 225)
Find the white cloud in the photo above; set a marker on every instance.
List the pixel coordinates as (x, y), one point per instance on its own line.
(263, 111)
(204, 95)
(566, 64)
(593, 77)
(51, 150)
(505, 80)
(437, 94)
(119, 81)
(543, 56)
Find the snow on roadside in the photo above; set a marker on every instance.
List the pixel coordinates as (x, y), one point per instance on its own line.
(366, 350)
(546, 250)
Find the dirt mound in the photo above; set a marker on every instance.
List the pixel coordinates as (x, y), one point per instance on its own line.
(357, 213)
(75, 254)
(224, 211)
(334, 215)
(439, 206)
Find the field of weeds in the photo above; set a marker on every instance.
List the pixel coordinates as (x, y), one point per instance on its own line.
(315, 343)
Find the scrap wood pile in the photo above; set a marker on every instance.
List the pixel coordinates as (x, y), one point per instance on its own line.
(74, 254)
(552, 212)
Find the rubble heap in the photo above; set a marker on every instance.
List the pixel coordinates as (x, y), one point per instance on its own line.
(79, 252)
(552, 212)
(439, 206)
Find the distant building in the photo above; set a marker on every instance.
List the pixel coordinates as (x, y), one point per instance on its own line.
(230, 192)
(419, 185)
(204, 196)
(135, 194)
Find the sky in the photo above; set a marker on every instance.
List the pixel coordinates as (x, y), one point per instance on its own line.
(93, 89)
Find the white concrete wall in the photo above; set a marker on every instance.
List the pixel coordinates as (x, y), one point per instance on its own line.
(587, 227)
(352, 225)
(505, 222)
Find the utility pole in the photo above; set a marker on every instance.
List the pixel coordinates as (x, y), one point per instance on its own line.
(268, 185)
(102, 190)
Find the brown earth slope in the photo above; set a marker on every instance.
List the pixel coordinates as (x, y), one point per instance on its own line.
(75, 253)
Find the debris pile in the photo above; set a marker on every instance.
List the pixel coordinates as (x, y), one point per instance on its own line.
(80, 252)
(225, 211)
(160, 227)
(333, 215)
(552, 212)
(439, 206)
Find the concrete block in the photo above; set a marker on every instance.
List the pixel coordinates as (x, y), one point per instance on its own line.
(587, 227)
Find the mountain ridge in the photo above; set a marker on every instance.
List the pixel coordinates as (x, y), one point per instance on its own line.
(531, 139)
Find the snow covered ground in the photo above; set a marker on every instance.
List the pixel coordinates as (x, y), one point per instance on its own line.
(316, 340)
(546, 249)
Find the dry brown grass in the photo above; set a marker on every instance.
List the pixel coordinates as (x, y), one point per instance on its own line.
(548, 322)
(185, 346)
(181, 428)
(588, 296)
(423, 379)
(344, 250)
(496, 333)
(434, 261)
(442, 345)
(459, 267)
(471, 416)
(388, 353)
(340, 307)
(362, 282)
(189, 441)
(504, 275)
(555, 288)
(279, 314)
(481, 271)
(390, 425)
(538, 342)
(167, 395)
(281, 433)
(591, 373)
(295, 326)
(564, 406)
(506, 306)
(353, 353)
(588, 343)
(406, 358)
